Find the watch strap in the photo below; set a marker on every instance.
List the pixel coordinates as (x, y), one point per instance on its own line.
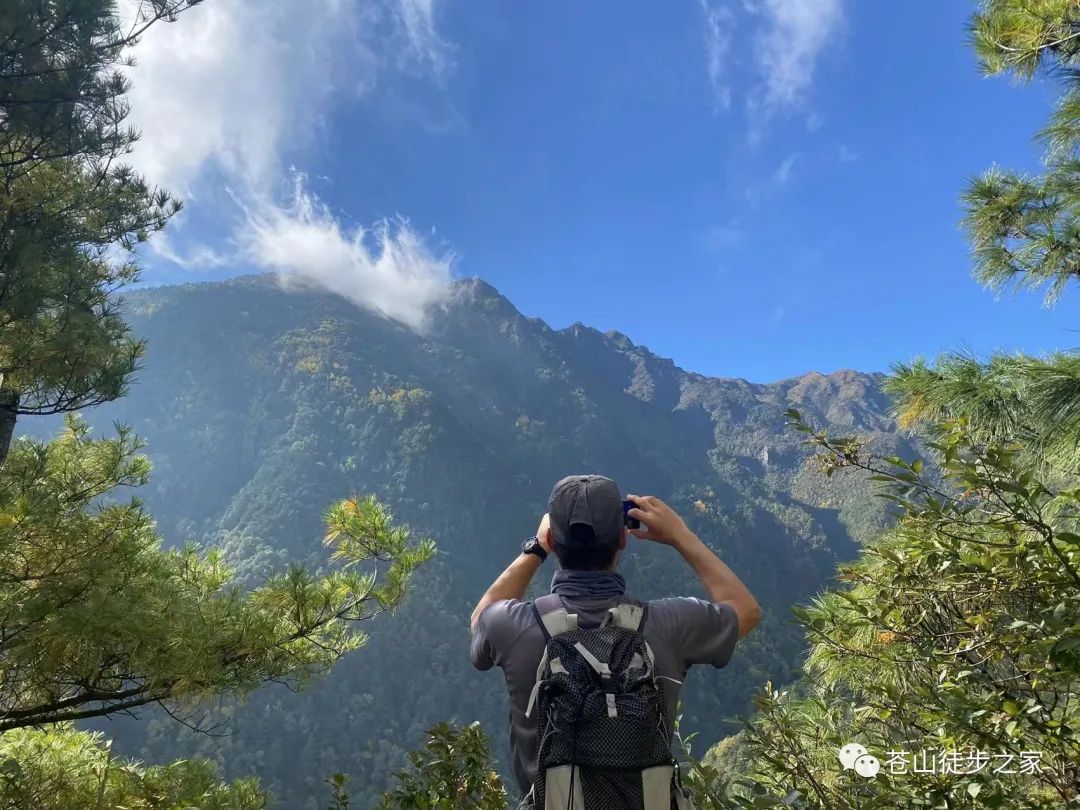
(532, 545)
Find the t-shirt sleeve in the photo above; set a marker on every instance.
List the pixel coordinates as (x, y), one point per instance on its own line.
(700, 632)
(499, 625)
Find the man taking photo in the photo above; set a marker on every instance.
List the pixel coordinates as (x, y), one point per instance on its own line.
(594, 674)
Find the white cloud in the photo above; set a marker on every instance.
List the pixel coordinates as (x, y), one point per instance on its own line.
(193, 257)
(779, 178)
(786, 39)
(794, 34)
(233, 83)
(233, 92)
(418, 19)
(719, 29)
(720, 238)
(783, 171)
(846, 154)
(388, 269)
(814, 121)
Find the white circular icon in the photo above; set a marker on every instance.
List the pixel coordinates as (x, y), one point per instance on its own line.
(868, 766)
(849, 753)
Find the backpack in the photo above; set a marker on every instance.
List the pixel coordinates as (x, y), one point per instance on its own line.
(599, 711)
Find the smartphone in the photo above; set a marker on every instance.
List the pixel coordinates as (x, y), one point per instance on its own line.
(629, 522)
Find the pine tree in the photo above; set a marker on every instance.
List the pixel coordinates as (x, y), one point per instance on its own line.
(99, 618)
(64, 769)
(452, 772)
(71, 211)
(1025, 234)
(955, 635)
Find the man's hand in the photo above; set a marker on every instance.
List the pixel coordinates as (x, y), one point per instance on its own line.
(662, 523)
(543, 534)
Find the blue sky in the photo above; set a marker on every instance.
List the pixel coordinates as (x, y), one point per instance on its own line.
(755, 188)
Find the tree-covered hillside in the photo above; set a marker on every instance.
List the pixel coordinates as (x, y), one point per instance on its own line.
(261, 407)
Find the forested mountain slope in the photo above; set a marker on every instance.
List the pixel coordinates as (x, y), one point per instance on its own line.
(261, 407)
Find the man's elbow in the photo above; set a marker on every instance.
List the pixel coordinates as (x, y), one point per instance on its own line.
(474, 620)
(749, 616)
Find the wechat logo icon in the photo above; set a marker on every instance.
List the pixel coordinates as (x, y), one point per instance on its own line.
(855, 758)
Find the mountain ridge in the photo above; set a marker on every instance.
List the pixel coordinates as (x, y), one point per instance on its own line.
(473, 284)
(260, 407)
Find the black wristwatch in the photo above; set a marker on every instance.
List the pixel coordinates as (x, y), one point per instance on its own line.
(532, 546)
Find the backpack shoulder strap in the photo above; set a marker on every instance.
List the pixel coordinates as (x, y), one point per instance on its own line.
(629, 614)
(552, 616)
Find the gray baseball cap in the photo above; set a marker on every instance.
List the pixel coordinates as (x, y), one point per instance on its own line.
(591, 500)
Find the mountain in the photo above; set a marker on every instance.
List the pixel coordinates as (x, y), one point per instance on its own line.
(260, 407)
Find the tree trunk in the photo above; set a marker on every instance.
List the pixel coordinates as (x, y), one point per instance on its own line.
(9, 411)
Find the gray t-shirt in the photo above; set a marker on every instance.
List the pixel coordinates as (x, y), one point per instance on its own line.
(681, 632)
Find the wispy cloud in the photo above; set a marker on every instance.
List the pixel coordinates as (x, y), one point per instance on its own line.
(720, 238)
(786, 40)
(425, 44)
(794, 34)
(780, 177)
(388, 268)
(229, 96)
(192, 257)
(783, 171)
(719, 30)
(846, 154)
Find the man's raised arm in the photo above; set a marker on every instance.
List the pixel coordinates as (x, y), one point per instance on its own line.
(514, 581)
(665, 526)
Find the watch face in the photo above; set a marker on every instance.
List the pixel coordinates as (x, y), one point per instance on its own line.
(532, 546)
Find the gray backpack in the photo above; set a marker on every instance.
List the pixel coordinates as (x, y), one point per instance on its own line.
(599, 711)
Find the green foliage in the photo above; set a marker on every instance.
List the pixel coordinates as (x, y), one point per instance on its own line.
(339, 795)
(63, 95)
(98, 618)
(1024, 233)
(65, 769)
(452, 772)
(1023, 36)
(399, 401)
(956, 631)
(1010, 398)
(709, 782)
(720, 774)
(72, 210)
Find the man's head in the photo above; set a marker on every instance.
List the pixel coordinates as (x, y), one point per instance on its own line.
(586, 520)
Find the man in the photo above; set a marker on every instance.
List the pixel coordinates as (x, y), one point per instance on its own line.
(584, 528)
